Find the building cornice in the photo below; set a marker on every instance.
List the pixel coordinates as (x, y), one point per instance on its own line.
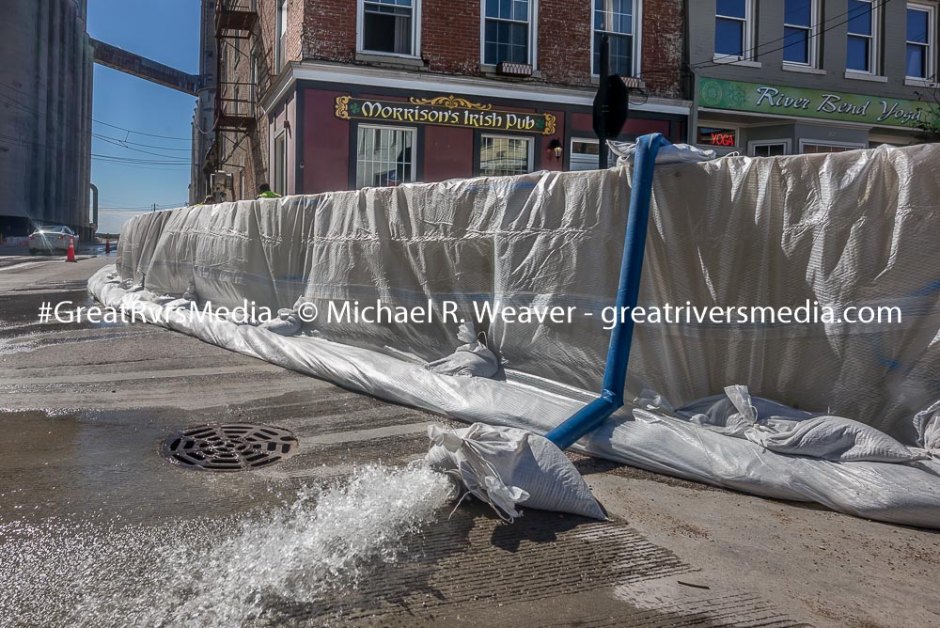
(346, 74)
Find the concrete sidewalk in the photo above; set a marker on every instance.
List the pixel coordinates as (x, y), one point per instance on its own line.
(86, 407)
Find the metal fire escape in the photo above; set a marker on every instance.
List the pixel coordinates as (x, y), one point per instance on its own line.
(235, 22)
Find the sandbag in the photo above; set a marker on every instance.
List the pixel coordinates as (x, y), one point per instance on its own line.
(832, 438)
(927, 428)
(654, 440)
(785, 430)
(507, 467)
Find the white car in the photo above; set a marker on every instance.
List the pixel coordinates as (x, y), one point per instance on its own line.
(51, 239)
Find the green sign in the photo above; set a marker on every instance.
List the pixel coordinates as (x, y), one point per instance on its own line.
(809, 103)
(444, 111)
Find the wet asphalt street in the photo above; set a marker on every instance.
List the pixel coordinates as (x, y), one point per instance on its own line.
(98, 528)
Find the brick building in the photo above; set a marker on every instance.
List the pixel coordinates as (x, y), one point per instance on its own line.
(322, 95)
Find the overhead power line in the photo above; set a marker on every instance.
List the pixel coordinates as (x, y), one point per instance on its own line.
(120, 128)
(117, 139)
(121, 144)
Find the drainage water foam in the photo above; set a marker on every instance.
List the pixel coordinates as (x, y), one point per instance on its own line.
(216, 573)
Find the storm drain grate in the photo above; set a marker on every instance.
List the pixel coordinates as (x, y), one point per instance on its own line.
(230, 446)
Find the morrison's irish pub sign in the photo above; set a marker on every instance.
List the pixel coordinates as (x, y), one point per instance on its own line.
(444, 111)
(809, 103)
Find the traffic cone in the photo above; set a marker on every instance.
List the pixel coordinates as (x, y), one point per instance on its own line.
(70, 254)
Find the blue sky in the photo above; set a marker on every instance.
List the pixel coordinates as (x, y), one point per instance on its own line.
(166, 31)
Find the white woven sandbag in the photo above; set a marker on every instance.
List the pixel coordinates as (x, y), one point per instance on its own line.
(834, 438)
(506, 467)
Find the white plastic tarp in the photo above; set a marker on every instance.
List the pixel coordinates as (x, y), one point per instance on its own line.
(857, 228)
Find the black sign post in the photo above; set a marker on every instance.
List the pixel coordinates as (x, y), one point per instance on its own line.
(611, 104)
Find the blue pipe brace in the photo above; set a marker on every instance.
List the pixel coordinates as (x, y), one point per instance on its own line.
(593, 414)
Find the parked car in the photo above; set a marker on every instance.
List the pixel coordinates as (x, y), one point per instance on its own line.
(51, 239)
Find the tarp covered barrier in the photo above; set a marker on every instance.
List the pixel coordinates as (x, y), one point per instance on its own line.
(851, 229)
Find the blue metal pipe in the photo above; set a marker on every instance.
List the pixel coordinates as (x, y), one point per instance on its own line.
(593, 414)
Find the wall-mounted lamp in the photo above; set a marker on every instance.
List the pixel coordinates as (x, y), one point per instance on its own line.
(555, 148)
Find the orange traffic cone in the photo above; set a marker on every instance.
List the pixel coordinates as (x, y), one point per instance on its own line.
(70, 255)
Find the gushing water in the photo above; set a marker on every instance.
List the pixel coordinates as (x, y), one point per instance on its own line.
(212, 573)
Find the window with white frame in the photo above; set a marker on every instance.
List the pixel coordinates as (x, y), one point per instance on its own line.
(389, 26)
(615, 18)
(768, 148)
(799, 31)
(862, 43)
(503, 155)
(733, 28)
(584, 154)
(811, 147)
(385, 156)
(507, 31)
(920, 59)
(280, 164)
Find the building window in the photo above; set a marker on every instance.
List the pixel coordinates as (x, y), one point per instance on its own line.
(862, 44)
(811, 147)
(615, 18)
(920, 38)
(584, 154)
(389, 26)
(733, 28)
(502, 155)
(280, 164)
(507, 31)
(384, 156)
(799, 32)
(769, 148)
(280, 51)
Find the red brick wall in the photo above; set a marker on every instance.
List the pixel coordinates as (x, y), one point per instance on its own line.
(329, 30)
(450, 34)
(663, 34)
(565, 41)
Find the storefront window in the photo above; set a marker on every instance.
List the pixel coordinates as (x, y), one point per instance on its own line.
(798, 24)
(920, 55)
(861, 39)
(813, 147)
(614, 18)
(506, 31)
(388, 26)
(504, 155)
(769, 148)
(731, 28)
(384, 156)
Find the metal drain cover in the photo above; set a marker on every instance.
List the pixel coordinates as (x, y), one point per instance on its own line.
(230, 446)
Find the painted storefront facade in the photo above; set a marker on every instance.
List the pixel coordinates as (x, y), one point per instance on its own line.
(776, 77)
(335, 129)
